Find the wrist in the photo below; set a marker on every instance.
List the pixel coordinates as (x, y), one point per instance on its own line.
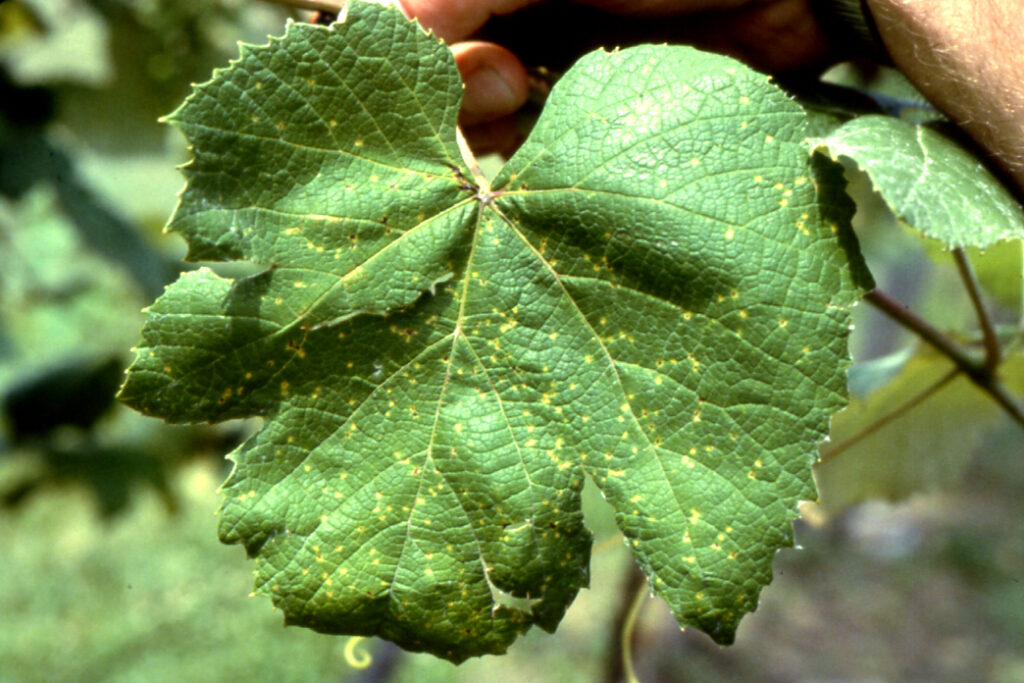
(964, 57)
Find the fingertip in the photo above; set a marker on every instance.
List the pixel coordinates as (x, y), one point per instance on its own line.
(450, 20)
(495, 79)
(499, 136)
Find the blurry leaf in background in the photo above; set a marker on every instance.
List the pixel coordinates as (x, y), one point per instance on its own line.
(120, 457)
(73, 393)
(50, 41)
(87, 180)
(874, 79)
(57, 300)
(113, 476)
(146, 597)
(159, 47)
(28, 161)
(927, 447)
(887, 87)
(850, 89)
(101, 144)
(67, 318)
(1000, 270)
(868, 376)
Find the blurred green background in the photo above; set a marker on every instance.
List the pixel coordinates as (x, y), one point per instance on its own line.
(911, 566)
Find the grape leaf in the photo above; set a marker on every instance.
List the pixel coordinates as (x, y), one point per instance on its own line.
(928, 446)
(654, 294)
(930, 181)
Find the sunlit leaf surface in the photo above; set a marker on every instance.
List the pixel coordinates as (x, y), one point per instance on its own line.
(654, 293)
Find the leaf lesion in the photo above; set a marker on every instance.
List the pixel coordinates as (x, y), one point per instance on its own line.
(456, 337)
(610, 360)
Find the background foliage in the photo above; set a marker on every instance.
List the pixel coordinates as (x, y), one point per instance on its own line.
(111, 564)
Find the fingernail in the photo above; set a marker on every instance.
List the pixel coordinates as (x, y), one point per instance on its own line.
(487, 95)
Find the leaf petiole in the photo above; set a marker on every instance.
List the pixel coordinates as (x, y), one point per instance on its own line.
(979, 373)
(471, 162)
(993, 353)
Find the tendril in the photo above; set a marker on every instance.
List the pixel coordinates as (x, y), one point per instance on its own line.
(357, 659)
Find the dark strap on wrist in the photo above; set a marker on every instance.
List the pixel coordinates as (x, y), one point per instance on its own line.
(850, 25)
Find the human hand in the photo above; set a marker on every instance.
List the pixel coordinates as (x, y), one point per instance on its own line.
(774, 35)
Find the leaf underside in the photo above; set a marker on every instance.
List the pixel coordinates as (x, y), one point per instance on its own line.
(655, 294)
(930, 181)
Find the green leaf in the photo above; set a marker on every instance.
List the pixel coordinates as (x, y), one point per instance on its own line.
(888, 87)
(867, 377)
(925, 448)
(1000, 270)
(930, 181)
(49, 41)
(655, 294)
(55, 309)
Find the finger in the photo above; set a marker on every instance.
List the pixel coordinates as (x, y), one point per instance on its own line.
(501, 136)
(456, 19)
(655, 8)
(778, 36)
(496, 83)
(774, 35)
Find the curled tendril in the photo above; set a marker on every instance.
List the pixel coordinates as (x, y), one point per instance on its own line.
(357, 659)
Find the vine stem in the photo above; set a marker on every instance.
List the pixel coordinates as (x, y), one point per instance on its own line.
(1021, 325)
(979, 373)
(993, 354)
(332, 6)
